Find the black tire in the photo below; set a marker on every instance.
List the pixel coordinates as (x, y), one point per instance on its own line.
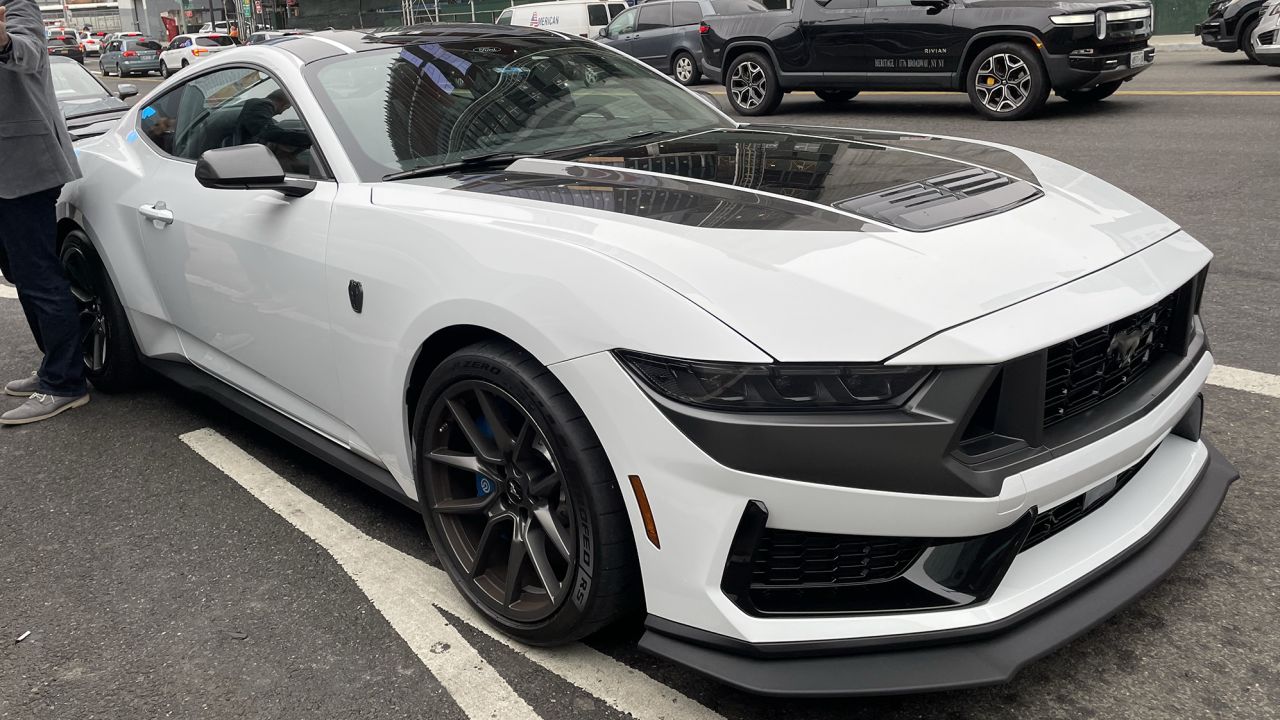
(109, 351)
(1020, 94)
(103, 69)
(185, 64)
(752, 76)
(1246, 40)
(497, 384)
(684, 67)
(1092, 95)
(125, 74)
(836, 97)
(164, 70)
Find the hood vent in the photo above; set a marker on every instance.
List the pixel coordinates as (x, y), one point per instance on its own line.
(944, 200)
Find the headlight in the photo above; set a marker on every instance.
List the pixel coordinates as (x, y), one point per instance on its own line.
(1275, 9)
(782, 387)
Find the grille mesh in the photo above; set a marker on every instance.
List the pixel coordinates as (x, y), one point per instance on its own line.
(1267, 38)
(796, 560)
(1088, 369)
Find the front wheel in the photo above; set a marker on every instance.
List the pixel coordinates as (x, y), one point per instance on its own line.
(685, 69)
(753, 85)
(107, 346)
(519, 500)
(1246, 41)
(103, 69)
(1093, 94)
(1007, 81)
(836, 97)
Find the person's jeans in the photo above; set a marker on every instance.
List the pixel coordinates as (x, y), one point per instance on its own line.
(29, 259)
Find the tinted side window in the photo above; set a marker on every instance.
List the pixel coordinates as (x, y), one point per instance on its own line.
(624, 23)
(504, 18)
(654, 16)
(615, 8)
(685, 13)
(236, 106)
(847, 5)
(143, 45)
(597, 15)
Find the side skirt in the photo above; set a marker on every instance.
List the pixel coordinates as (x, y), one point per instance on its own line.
(305, 439)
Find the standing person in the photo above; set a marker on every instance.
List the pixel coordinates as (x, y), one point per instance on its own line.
(36, 160)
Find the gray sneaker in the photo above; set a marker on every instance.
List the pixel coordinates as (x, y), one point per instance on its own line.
(23, 387)
(41, 407)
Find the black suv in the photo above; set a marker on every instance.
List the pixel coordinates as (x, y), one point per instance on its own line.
(1007, 54)
(1230, 24)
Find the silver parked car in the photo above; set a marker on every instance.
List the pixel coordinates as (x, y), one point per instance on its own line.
(129, 56)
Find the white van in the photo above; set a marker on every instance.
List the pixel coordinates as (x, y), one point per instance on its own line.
(572, 17)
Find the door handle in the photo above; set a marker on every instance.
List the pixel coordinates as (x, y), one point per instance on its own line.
(159, 214)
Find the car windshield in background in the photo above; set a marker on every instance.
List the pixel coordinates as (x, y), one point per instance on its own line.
(142, 45)
(737, 7)
(434, 103)
(215, 41)
(71, 81)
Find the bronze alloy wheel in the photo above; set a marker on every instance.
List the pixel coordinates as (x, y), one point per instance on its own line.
(497, 491)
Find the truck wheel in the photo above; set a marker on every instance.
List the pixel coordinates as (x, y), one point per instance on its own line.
(1093, 94)
(836, 97)
(1007, 81)
(685, 68)
(752, 85)
(1246, 40)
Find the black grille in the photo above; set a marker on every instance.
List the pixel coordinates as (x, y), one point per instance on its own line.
(1051, 522)
(1267, 38)
(1088, 369)
(785, 559)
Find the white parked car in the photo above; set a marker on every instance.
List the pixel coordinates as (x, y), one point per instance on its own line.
(847, 411)
(91, 44)
(584, 18)
(1266, 36)
(189, 49)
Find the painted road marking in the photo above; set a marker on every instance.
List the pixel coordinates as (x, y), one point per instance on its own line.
(1246, 380)
(8, 291)
(407, 592)
(389, 578)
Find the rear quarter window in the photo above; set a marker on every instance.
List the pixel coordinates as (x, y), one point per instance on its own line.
(218, 41)
(143, 45)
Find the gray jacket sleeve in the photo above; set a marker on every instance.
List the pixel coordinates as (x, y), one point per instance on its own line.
(27, 53)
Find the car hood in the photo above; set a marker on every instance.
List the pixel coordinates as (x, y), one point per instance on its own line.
(821, 244)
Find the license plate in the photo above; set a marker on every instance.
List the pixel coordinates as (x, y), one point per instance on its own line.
(1137, 58)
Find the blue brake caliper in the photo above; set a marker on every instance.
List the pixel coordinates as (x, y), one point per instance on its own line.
(484, 486)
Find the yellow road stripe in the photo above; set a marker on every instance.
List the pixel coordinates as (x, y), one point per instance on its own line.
(1224, 93)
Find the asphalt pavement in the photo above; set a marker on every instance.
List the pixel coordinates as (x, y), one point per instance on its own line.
(161, 572)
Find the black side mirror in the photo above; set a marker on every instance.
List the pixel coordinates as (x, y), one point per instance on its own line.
(604, 32)
(247, 167)
(126, 91)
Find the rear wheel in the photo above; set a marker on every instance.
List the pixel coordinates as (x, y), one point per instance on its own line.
(1246, 40)
(685, 69)
(1092, 95)
(107, 346)
(753, 85)
(1007, 81)
(164, 70)
(836, 97)
(519, 499)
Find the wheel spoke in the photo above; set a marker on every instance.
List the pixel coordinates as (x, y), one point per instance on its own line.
(465, 506)
(552, 530)
(99, 350)
(497, 425)
(537, 552)
(456, 459)
(485, 546)
(515, 563)
(479, 443)
(543, 486)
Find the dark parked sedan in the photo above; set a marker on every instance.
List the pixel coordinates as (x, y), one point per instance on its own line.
(86, 104)
(67, 46)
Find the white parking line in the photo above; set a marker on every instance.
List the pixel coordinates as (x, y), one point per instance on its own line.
(405, 590)
(1246, 380)
(390, 579)
(8, 291)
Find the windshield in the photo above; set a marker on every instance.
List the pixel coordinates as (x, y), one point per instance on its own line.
(433, 103)
(215, 41)
(61, 40)
(70, 80)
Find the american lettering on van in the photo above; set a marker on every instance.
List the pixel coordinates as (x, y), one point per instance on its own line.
(543, 20)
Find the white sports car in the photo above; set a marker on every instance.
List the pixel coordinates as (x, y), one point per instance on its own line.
(844, 412)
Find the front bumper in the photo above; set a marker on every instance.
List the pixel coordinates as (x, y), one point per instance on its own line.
(969, 657)
(1071, 72)
(1213, 34)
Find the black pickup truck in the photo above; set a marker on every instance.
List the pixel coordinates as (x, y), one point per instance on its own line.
(1006, 54)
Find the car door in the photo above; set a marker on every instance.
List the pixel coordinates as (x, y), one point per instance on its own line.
(110, 54)
(910, 46)
(652, 43)
(621, 33)
(240, 272)
(832, 32)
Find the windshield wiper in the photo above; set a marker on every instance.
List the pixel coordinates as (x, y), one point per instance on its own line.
(475, 162)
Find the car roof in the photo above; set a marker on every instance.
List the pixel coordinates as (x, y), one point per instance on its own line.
(332, 43)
